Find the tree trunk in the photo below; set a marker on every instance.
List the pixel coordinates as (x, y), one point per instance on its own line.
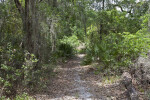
(2, 22)
(83, 15)
(30, 25)
(35, 29)
(101, 24)
(84, 22)
(28, 29)
(103, 4)
(53, 35)
(54, 3)
(149, 19)
(127, 82)
(101, 31)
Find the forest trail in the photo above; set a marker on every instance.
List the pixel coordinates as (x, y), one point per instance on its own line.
(76, 82)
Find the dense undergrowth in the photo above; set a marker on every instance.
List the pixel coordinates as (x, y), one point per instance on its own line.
(117, 50)
(20, 73)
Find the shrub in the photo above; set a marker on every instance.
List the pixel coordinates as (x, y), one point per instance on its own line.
(23, 96)
(72, 41)
(19, 71)
(67, 46)
(65, 50)
(11, 62)
(87, 60)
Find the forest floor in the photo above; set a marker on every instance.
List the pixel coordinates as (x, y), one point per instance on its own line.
(76, 82)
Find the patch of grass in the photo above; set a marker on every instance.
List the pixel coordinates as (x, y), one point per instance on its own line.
(23, 96)
(87, 60)
(141, 89)
(110, 79)
(82, 51)
(77, 95)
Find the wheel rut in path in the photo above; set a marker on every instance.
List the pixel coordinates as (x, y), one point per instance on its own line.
(77, 89)
(83, 91)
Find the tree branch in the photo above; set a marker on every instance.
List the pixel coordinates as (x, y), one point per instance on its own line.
(122, 8)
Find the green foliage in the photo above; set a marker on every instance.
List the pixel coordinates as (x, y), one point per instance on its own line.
(65, 50)
(110, 79)
(67, 46)
(114, 21)
(72, 40)
(23, 96)
(11, 62)
(77, 34)
(116, 50)
(111, 39)
(145, 19)
(20, 68)
(87, 60)
(111, 36)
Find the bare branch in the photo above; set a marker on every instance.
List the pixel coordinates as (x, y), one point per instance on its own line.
(122, 8)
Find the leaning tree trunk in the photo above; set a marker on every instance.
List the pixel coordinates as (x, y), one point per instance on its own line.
(132, 94)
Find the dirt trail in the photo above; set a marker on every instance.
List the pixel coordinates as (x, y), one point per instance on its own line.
(74, 82)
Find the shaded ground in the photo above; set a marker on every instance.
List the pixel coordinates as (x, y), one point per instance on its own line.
(76, 82)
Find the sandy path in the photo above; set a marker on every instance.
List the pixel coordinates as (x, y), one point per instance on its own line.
(77, 88)
(73, 82)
